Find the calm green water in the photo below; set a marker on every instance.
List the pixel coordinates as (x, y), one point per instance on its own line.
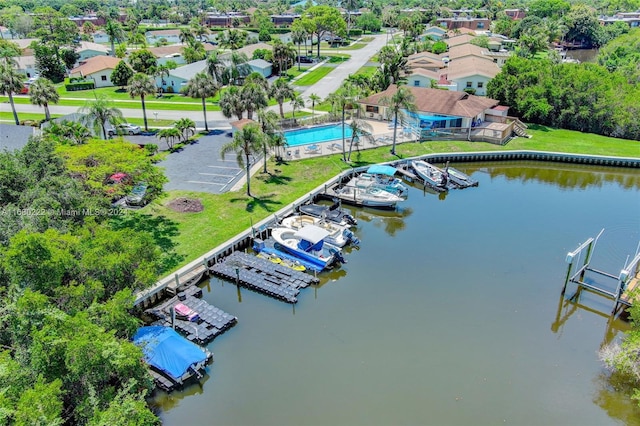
(449, 314)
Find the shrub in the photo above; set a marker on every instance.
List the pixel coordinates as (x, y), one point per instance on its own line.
(82, 85)
(355, 32)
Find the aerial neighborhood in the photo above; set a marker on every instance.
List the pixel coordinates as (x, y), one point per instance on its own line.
(151, 148)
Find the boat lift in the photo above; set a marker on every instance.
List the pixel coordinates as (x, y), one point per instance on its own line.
(627, 280)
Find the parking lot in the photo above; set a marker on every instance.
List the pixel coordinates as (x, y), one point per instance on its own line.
(199, 167)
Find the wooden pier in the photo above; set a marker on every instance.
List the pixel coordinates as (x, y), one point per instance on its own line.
(211, 322)
(263, 276)
(623, 293)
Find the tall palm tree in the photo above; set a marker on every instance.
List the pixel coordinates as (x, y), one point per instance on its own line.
(170, 136)
(269, 124)
(298, 36)
(281, 91)
(341, 100)
(9, 51)
(246, 142)
(186, 126)
(402, 100)
(202, 86)
(141, 85)
(114, 31)
(186, 37)
(100, 112)
(282, 54)
(42, 92)
(297, 103)
(360, 129)
(10, 83)
(215, 67)
(231, 102)
(237, 68)
(254, 97)
(314, 100)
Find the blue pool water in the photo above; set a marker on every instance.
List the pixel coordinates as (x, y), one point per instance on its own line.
(316, 134)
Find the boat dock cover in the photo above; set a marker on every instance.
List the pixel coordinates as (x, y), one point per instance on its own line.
(379, 169)
(167, 351)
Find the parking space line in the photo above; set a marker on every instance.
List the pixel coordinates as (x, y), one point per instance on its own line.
(207, 183)
(223, 167)
(216, 174)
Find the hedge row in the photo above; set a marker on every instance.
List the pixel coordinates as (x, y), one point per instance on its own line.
(84, 85)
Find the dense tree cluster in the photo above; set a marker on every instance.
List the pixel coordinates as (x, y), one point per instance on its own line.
(584, 97)
(68, 267)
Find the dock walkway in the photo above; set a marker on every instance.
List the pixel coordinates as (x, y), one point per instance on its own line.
(264, 276)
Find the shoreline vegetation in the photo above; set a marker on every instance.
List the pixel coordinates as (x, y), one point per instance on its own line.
(226, 215)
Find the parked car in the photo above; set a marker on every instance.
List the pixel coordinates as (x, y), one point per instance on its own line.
(138, 195)
(124, 129)
(305, 60)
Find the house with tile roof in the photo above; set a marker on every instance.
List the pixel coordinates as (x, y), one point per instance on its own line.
(98, 69)
(445, 114)
(27, 65)
(174, 52)
(88, 49)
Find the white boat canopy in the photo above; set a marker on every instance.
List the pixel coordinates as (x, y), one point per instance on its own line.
(312, 233)
(379, 169)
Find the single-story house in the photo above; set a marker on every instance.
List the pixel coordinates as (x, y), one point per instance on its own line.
(174, 52)
(88, 49)
(27, 65)
(463, 50)
(97, 68)
(248, 50)
(459, 39)
(171, 36)
(25, 45)
(435, 33)
(261, 66)
(180, 76)
(446, 114)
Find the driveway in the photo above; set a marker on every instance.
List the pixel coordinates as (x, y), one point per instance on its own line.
(199, 167)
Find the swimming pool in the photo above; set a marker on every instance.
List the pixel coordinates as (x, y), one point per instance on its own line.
(316, 134)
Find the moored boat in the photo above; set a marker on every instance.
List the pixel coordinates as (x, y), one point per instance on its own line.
(308, 244)
(331, 213)
(383, 177)
(339, 235)
(459, 179)
(431, 174)
(357, 193)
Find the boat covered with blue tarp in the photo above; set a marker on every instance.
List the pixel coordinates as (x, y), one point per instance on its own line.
(171, 355)
(380, 169)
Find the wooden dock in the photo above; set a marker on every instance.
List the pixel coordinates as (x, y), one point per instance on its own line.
(263, 276)
(211, 323)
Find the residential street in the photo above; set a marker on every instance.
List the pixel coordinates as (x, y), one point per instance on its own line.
(322, 88)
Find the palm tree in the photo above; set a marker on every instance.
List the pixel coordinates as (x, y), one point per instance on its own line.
(281, 91)
(246, 142)
(402, 100)
(298, 36)
(341, 100)
(186, 37)
(114, 31)
(70, 132)
(202, 86)
(42, 92)
(269, 124)
(314, 100)
(186, 126)
(9, 51)
(297, 103)
(100, 112)
(282, 54)
(141, 85)
(231, 102)
(360, 129)
(254, 97)
(237, 69)
(215, 67)
(10, 83)
(170, 136)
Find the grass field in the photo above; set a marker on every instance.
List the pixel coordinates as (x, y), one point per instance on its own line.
(228, 214)
(366, 71)
(314, 76)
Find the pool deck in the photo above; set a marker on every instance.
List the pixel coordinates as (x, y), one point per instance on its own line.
(382, 135)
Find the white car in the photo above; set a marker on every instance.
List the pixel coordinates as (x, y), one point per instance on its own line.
(124, 129)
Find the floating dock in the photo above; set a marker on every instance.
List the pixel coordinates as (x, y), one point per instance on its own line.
(212, 321)
(263, 276)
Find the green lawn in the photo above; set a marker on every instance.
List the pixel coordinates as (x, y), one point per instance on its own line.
(293, 71)
(366, 70)
(314, 76)
(228, 214)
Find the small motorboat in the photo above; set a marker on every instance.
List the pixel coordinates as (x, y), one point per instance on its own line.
(383, 177)
(431, 174)
(459, 179)
(368, 195)
(331, 213)
(339, 235)
(308, 244)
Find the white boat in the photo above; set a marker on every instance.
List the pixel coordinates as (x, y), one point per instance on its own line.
(459, 179)
(308, 244)
(339, 235)
(331, 213)
(383, 177)
(431, 174)
(358, 194)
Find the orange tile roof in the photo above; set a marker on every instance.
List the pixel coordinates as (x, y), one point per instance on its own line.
(437, 101)
(95, 64)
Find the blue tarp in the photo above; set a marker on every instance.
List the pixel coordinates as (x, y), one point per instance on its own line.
(167, 351)
(379, 169)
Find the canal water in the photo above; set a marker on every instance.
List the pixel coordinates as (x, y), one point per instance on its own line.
(449, 314)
